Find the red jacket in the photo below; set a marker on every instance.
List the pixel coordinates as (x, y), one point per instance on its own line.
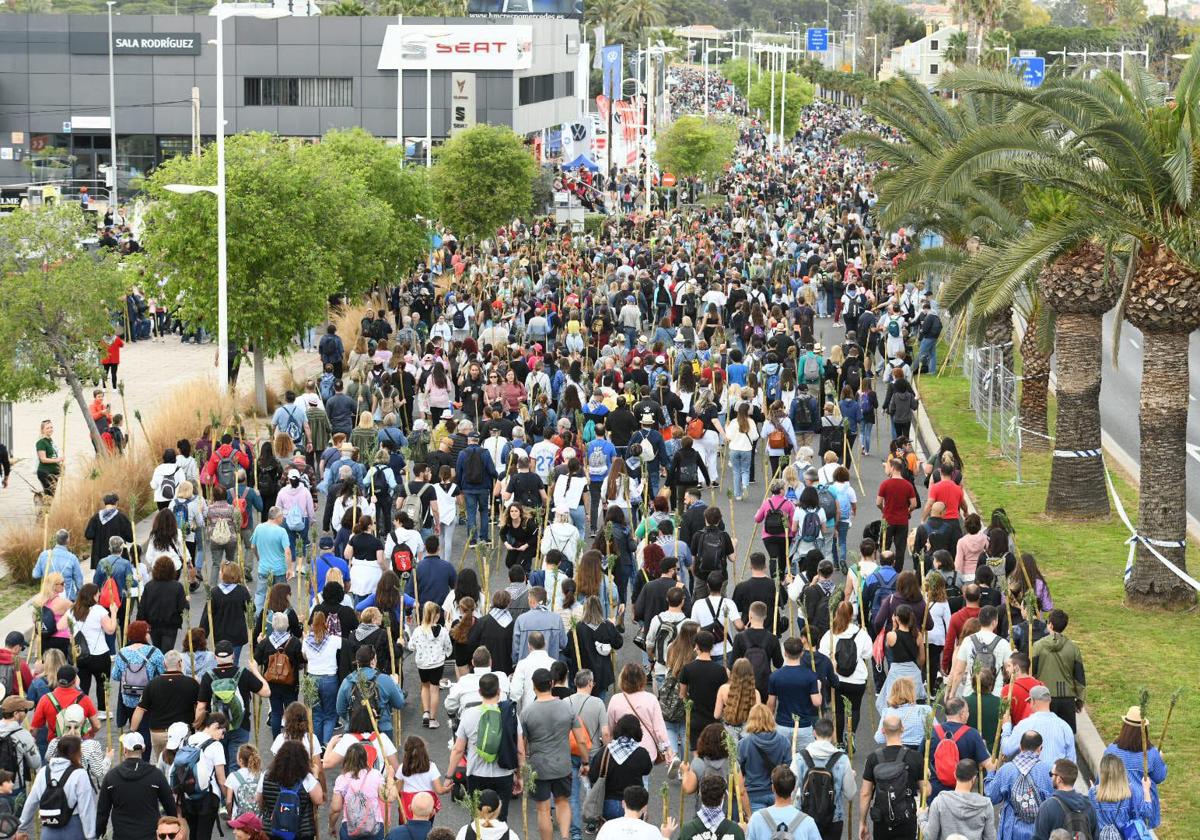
(6, 658)
(1019, 708)
(952, 633)
(209, 474)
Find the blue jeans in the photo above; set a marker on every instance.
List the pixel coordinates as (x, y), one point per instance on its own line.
(300, 536)
(477, 503)
(234, 738)
(576, 799)
(325, 711)
(579, 520)
(927, 351)
(865, 438)
(675, 737)
(615, 809)
(843, 531)
(740, 463)
(760, 801)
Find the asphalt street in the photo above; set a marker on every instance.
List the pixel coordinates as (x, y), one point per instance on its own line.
(455, 816)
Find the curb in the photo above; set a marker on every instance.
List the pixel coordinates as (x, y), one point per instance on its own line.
(1089, 745)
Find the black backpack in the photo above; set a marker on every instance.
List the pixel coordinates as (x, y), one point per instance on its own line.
(689, 472)
(1075, 822)
(774, 523)
(11, 759)
(893, 801)
(819, 792)
(712, 552)
(845, 657)
(473, 472)
(54, 811)
(760, 663)
(716, 627)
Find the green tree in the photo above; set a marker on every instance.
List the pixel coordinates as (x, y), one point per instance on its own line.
(694, 147)
(735, 71)
(800, 93)
(58, 302)
(300, 229)
(956, 49)
(345, 8)
(380, 167)
(637, 16)
(482, 178)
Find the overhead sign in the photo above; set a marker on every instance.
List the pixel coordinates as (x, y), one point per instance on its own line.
(540, 8)
(136, 43)
(612, 59)
(462, 101)
(1031, 68)
(446, 47)
(817, 40)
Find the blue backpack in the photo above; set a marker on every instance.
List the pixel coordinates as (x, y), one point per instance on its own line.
(285, 818)
(771, 387)
(880, 584)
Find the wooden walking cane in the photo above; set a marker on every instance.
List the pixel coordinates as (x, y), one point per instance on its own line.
(1162, 739)
(1144, 726)
(687, 740)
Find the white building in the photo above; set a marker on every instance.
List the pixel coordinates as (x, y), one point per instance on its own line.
(923, 60)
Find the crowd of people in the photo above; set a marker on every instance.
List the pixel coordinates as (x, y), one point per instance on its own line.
(503, 478)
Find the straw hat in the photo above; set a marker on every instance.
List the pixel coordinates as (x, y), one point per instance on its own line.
(1134, 717)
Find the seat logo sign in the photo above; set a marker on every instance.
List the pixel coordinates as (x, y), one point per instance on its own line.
(472, 47)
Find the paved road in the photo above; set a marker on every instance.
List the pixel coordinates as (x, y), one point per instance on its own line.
(1119, 401)
(454, 816)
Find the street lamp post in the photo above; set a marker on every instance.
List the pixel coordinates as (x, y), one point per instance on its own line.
(222, 12)
(874, 39)
(113, 203)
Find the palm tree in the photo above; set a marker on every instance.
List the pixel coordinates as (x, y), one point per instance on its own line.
(1126, 157)
(641, 15)
(345, 8)
(956, 49)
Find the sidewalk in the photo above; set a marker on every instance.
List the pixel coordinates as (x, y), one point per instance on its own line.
(149, 370)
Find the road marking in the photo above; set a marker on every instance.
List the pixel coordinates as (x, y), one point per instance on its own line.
(1191, 397)
(1193, 450)
(1136, 346)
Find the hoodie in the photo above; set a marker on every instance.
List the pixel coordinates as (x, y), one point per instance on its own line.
(758, 754)
(1057, 663)
(968, 814)
(133, 792)
(78, 789)
(845, 784)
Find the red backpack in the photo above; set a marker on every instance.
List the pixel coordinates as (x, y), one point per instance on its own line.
(945, 757)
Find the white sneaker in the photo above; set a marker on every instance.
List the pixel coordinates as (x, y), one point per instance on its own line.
(102, 715)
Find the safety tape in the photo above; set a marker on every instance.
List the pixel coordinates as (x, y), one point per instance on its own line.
(1152, 545)
(1078, 453)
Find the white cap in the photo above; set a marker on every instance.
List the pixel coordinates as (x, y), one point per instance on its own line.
(133, 741)
(177, 734)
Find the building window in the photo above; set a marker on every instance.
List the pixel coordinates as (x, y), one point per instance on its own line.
(307, 92)
(534, 89)
(933, 69)
(934, 47)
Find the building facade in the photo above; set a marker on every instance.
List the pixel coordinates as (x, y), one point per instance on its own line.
(295, 76)
(923, 60)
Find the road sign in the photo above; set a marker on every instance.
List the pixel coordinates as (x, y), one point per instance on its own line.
(668, 180)
(818, 39)
(1027, 53)
(66, 126)
(1032, 69)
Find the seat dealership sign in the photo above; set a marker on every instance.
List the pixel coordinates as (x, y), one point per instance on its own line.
(444, 47)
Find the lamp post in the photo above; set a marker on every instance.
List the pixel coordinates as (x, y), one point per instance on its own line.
(222, 12)
(113, 203)
(874, 39)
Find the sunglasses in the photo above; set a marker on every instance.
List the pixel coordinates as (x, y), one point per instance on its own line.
(167, 835)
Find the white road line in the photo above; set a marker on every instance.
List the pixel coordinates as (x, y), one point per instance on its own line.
(1136, 346)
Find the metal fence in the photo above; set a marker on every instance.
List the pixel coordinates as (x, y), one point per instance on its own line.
(995, 398)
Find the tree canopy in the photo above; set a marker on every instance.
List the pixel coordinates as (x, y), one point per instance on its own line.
(695, 147)
(482, 178)
(799, 93)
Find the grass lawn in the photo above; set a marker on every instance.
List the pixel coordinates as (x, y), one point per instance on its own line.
(1124, 649)
(13, 595)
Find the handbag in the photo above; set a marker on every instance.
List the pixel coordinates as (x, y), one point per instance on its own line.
(593, 805)
(659, 758)
(877, 652)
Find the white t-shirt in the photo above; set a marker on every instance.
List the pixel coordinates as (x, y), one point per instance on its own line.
(447, 505)
(717, 609)
(384, 744)
(568, 491)
(310, 743)
(496, 831)
(211, 757)
(543, 454)
(624, 828)
(966, 654)
(92, 629)
(310, 782)
(322, 660)
(419, 782)
(409, 537)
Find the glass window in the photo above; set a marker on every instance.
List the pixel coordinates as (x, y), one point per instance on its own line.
(314, 92)
(933, 69)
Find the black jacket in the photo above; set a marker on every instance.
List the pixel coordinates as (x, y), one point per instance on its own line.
(497, 638)
(692, 522)
(600, 665)
(228, 615)
(135, 793)
(162, 604)
(101, 528)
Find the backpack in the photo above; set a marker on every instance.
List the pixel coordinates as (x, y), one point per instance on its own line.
(358, 815)
(760, 662)
(414, 507)
(459, 318)
(985, 655)
(774, 523)
(60, 721)
(226, 472)
(786, 831)
(893, 328)
(893, 800)
(285, 818)
(589, 432)
(490, 733)
(363, 692)
(166, 487)
(8, 678)
(1025, 798)
(810, 527)
(777, 439)
(829, 504)
(597, 462)
(402, 557)
(667, 631)
(1075, 822)
(245, 796)
(878, 586)
(845, 657)
(54, 811)
(716, 627)
(771, 387)
(817, 796)
(134, 679)
(695, 428)
(473, 471)
(294, 519)
(279, 669)
(11, 760)
(801, 412)
(946, 756)
(673, 710)
(49, 622)
(812, 369)
(712, 552)
(185, 775)
(325, 386)
(227, 699)
(182, 516)
(689, 473)
(1111, 832)
(854, 308)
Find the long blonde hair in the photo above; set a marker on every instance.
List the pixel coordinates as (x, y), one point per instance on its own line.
(1114, 781)
(46, 593)
(742, 694)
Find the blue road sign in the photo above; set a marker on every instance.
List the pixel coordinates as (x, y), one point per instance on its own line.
(1032, 68)
(818, 40)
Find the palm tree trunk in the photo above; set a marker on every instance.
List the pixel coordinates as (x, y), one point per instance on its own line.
(1077, 486)
(1162, 504)
(1035, 381)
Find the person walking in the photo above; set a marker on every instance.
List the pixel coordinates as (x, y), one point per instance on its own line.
(168, 698)
(134, 794)
(1135, 731)
(1020, 786)
(1058, 663)
(781, 817)
(961, 811)
(548, 723)
(77, 802)
(1066, 807)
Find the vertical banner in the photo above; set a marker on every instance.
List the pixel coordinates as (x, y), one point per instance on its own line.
(462, 101)
(612, 58)
(577, 140)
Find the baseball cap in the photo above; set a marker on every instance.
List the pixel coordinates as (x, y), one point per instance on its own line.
(66, 675)
(1039, 692)
(177, 733)
(16, 637)
(293, 473)
(133, 741)
(246, 822)
(224, 649)
(325, 542)
(74, 714)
